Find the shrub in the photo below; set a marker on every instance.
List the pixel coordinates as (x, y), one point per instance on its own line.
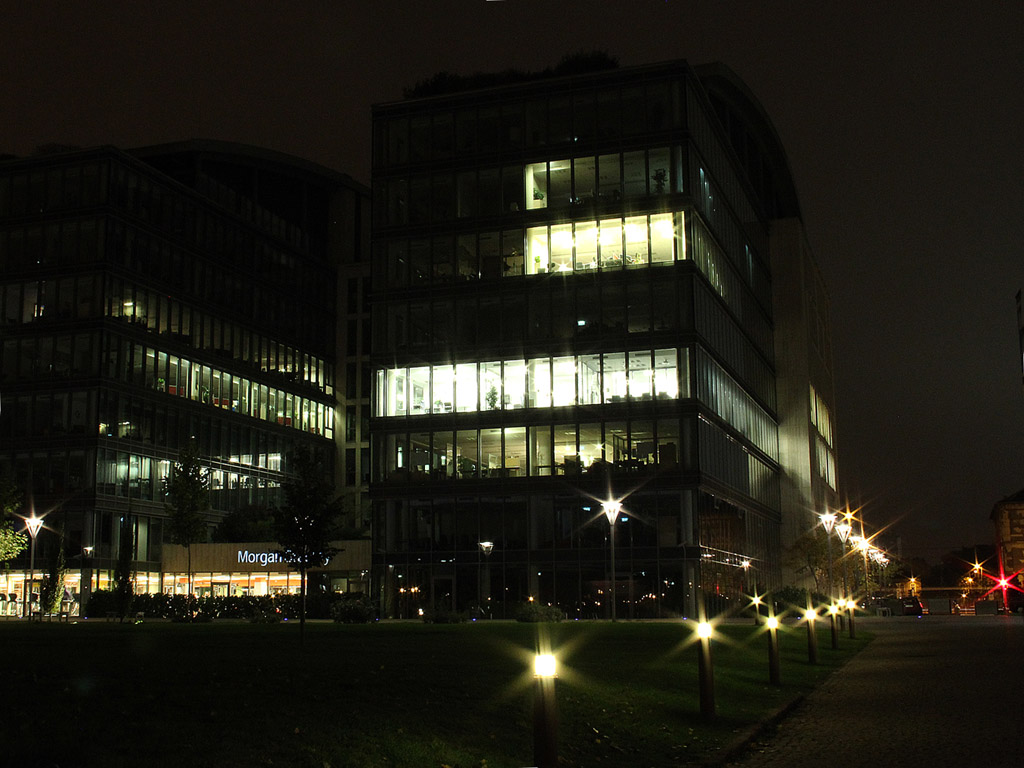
(444, 617)
(261, 615)
(352, 609)
(101, 602)
(795, 598)
(535, 612)
(272, 607)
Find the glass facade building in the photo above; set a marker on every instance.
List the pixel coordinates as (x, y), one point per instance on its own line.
(573, 303)
(147, 298)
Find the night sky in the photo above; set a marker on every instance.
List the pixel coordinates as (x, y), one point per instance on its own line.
(902, 121)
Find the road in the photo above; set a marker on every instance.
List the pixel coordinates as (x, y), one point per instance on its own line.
(932, 692)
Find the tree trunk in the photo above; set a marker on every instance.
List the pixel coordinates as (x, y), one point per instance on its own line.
(188, 597)
(302, 609)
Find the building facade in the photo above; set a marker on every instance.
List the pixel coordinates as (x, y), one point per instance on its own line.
(574, 305)
(173, 293)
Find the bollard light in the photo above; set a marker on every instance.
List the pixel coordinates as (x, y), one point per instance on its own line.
(705, 670)
(544, 665)
(545, 714)
(756, 601)
(773, 650)
(810, 615)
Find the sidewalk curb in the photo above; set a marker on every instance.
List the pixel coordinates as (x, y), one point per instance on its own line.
(735, 748)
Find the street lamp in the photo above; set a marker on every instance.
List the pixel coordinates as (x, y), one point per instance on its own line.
(611, 511)
(483, 574)
(32, 524)
(828, 520)
(85, 581)
(843, 531)
(833, 612)
(545, 716)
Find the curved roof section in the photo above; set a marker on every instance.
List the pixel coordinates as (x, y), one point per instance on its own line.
(753, 138)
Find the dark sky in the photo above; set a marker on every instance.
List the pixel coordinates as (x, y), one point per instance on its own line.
(903, 123)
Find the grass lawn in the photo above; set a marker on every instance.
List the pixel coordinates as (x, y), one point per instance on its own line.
(392, 694)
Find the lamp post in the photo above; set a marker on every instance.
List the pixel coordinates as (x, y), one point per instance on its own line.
(611, 511)
(843, 531)
(32, 524)
(545, 715)
(484, 570)
(85, 582)
(865, 548)
(828, 520)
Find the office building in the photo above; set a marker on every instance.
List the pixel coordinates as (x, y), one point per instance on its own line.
(150, 297)
(591, 290)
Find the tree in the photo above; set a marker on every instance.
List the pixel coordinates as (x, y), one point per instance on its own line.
(307, 522)
(12, 542)
(252, 522)
(809, 555)
(124, 589)
(52, 592)
(187, 489)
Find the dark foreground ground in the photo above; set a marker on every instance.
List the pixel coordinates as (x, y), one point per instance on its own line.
(936, 691)
(400, 694)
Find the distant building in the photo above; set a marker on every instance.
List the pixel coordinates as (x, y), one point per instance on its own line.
(589, 289)
(1020, 332)
(1008, 518)
(200, 290)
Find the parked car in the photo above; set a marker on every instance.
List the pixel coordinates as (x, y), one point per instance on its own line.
(912, 606)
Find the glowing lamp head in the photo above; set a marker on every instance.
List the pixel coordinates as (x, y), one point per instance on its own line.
(33, 524)
(487, 547)
(828, 519)
(772, 622)
(611, 510)
(843, 529)
(756, 599)
(833, 609)
(810, 614)
(745, 564)
(544, 665)
(703, 630)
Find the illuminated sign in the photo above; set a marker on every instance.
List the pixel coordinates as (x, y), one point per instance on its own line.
(263, 558)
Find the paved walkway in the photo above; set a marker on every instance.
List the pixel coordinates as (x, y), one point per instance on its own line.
(929, 692)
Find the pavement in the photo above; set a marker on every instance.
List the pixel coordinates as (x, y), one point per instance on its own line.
(931, 691)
